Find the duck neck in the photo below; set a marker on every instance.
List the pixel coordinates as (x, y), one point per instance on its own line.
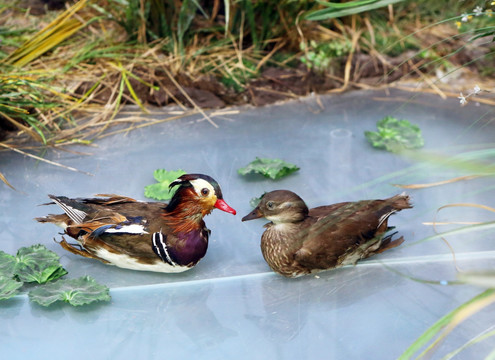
(182, 214)
(282, 227)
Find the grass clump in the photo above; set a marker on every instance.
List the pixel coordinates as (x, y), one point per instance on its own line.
(90, 59)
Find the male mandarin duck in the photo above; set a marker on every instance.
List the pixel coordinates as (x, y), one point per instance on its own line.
(149, 236)
(298, 241)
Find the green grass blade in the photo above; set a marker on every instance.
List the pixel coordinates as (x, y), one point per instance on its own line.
(50, 36)
(132, 92)
(346, 5)
(439, 325)
(331, 13)
(250, 14)
(118, 100)
(491, 355)
(200, 8)
(464, 229)
(186, 16)
(226, 4)
(468, 344)
(472, 162)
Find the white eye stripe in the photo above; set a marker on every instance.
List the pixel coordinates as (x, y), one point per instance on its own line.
(199, 184)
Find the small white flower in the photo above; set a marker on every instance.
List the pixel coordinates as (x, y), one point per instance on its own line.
(462, 99)
(464, 17)
(476, 89)
(478, 10)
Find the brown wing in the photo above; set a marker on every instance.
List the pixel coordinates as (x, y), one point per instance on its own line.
(119, 215)
(91, 220)
(323, 211)
(345, 227)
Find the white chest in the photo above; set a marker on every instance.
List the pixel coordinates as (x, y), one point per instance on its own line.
(127, 262)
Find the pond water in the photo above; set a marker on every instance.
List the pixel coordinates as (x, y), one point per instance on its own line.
(231, 305)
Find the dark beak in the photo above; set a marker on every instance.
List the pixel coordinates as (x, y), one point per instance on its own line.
(255, 214)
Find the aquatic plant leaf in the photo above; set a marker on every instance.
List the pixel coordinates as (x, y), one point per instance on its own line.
(395, 135)
(76, 292)
(255, 201)
(8, 287)
(161, 190)
(270, 168)
(37, 264)
(7, 265)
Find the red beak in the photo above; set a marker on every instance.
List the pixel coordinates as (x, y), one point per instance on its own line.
(222, 205)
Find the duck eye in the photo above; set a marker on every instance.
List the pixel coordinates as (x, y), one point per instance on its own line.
(269, 204)
(205, 192)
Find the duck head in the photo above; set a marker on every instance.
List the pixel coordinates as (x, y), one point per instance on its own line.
(279, 206)
(197, 193)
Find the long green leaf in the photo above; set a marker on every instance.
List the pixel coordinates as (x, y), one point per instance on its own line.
(439, 325)
(226, 4)
(47, 38)
(472, 162)
(464, 229)
(250, 14)
(186, 16)
(331, 13)
(132, 92)
(346, 5)
(468, 344)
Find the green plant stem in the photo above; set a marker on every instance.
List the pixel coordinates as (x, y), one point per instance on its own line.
(442, 323)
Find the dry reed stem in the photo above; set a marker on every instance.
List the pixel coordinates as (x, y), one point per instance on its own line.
(427, 80)
(438, 183)
(35, 136)
(435, 223)
(432, 223)
(186, 95)
(348, 66)
(44, 160)
(183, 114)
(4, 179)
(447, 93)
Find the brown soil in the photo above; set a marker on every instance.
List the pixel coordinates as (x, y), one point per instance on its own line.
(273, 83)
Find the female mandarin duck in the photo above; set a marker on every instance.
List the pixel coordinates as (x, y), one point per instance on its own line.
(299, 241)
(148, 236)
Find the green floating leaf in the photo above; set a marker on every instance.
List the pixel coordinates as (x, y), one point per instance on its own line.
(77, 292)
(7, 265)
(395, 135)
(256, 200)
(37, 264)
(270, 168)
(161, 190)
(8, 287)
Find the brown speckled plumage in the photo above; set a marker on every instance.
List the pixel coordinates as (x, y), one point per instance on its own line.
(300, 241)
